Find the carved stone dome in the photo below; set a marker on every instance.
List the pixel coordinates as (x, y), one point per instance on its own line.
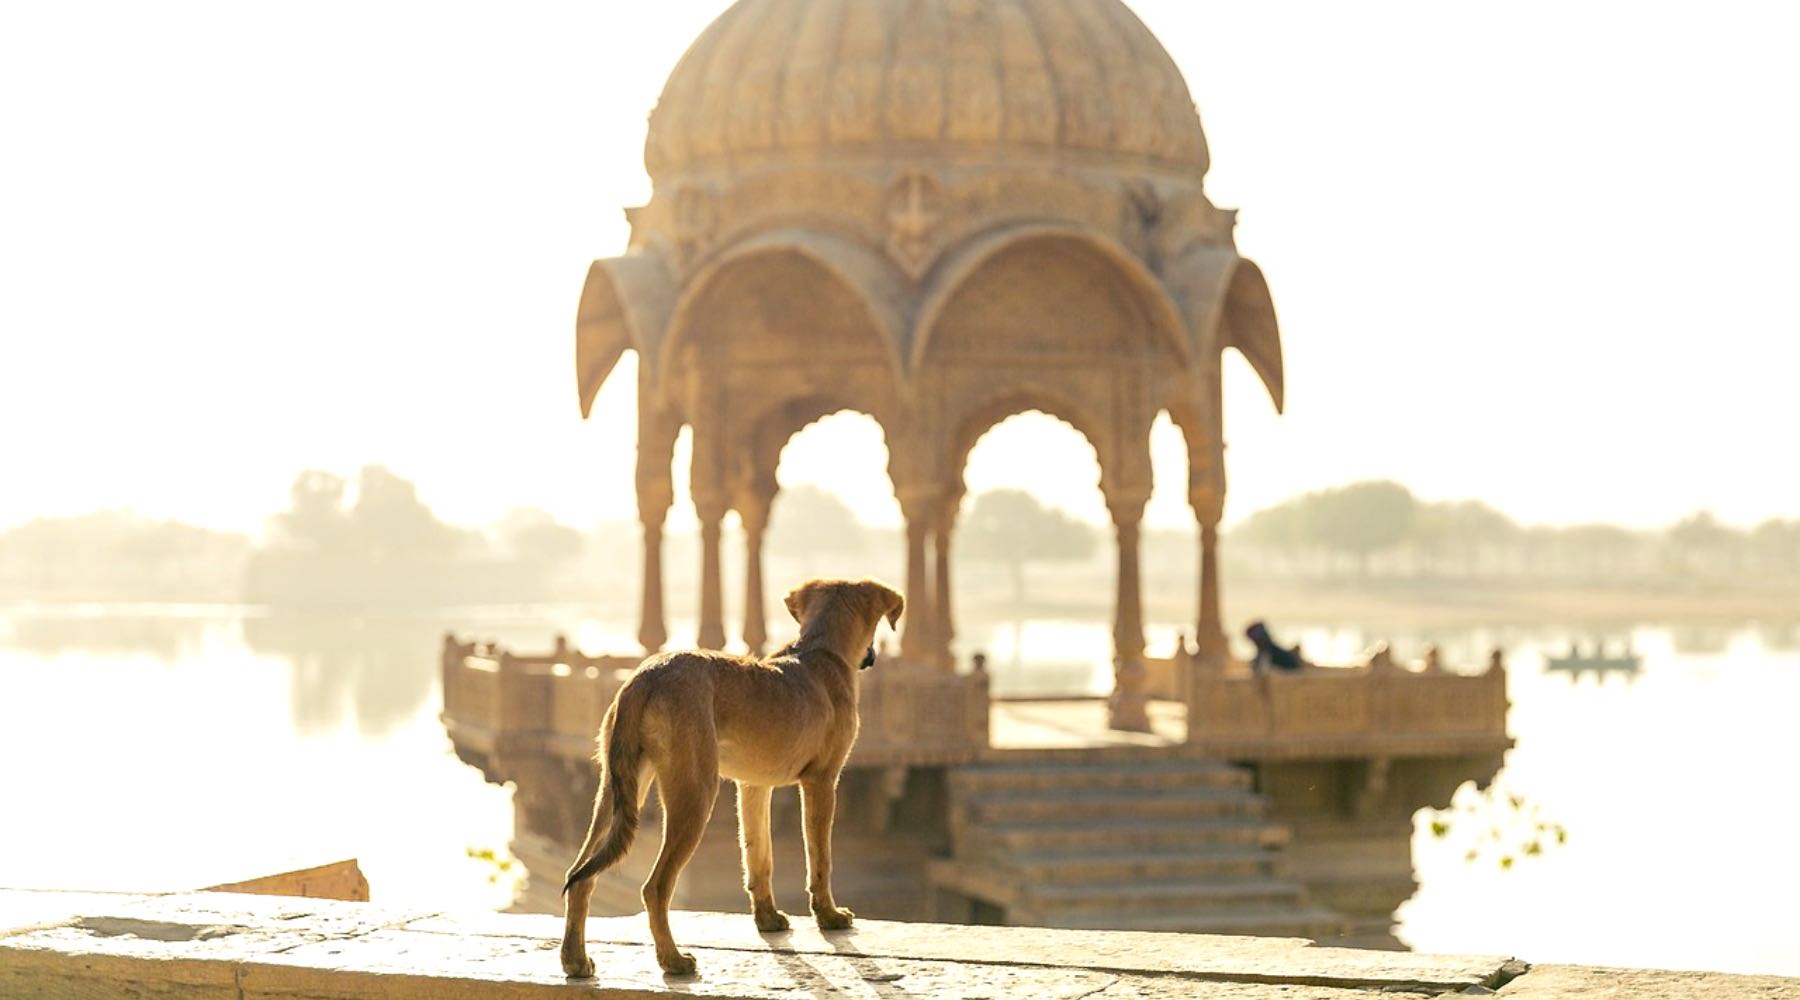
(803, 80)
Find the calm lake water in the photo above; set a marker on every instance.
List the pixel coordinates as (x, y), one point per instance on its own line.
(174, 747)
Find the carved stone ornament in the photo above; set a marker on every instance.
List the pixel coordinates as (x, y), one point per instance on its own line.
(696, 220)
(914, 206)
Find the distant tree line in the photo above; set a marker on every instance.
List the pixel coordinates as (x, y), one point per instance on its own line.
(119, 554)
(386, 549)
(373, 542)
(368, 543)
(1378, 529)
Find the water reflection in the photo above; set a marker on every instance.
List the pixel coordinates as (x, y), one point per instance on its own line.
(372, 672)
(1701, 640)
(162, 635)
(329, 723)
(1670, 787)
(1780, 636)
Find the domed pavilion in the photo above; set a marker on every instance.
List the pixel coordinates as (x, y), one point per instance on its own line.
(938, 213)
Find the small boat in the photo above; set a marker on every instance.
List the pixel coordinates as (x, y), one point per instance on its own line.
(1599, 660)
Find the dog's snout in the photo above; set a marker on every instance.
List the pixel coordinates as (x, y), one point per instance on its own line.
(868, 658)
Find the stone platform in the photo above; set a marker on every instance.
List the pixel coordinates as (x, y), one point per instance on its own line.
(204, 945)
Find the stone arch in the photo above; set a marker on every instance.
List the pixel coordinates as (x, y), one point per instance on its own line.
(973, 423)
(1189, 416)
(1250, 326)
(965, 432)
(770, 428)
(1225, 302)
(755, 486)
(961, 271)
(836, 282)
(625, 306)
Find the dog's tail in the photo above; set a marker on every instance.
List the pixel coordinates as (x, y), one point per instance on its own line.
(616, 807)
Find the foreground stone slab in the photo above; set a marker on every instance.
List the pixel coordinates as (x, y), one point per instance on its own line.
(1196, 956)
(231, 946)
(1547, 982)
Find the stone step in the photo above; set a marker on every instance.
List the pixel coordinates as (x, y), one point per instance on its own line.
(1066, 777)
(1311, 922)
(1034, 805)
(1116, 754)
(1062, 868)
(1121, 835)
(1168, 896)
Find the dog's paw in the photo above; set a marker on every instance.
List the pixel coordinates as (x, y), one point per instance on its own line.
(771, 921)
(580, 967)
(834, 920)
(679, 964)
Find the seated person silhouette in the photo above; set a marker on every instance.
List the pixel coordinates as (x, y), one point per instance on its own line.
(1271, 657)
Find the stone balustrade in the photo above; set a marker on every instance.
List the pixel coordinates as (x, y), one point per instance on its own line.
(498, 703)
(1371, 710)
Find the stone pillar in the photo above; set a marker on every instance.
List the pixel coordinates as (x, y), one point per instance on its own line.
(653, 630)
(1206, 494)
(754, 510)
(1128, 707)
(709, 483)
(917, 642)
(1209, 630)
(712, 591)
(940, 591)
(657, 431)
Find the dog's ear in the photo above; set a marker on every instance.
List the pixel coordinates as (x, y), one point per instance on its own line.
(798, 598)
(889, 600)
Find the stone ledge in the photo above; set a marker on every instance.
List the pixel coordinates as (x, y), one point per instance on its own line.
(231, 946)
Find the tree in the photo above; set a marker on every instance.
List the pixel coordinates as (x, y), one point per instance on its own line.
(1599, 552)
(1361, 518)
(533, 535)
(1777, 543)
(1700, 544)
(1012, 528)
(808, 522)
(389, 520)
(315, 517)
(1281, 527)
(1456, 532)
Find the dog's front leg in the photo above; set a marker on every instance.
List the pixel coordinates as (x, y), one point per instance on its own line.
(759, 856)
(818, 802)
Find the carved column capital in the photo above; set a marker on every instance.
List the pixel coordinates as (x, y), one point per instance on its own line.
(753, 509)
(1208, 501)
(1127, 507)
(920, 502)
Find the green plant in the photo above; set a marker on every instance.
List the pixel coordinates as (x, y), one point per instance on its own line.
(1496, 823)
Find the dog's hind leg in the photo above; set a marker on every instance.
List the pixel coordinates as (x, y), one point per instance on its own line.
(575, 961)
(759, 856)
(580, 893)
(818, 804)
(688, 787)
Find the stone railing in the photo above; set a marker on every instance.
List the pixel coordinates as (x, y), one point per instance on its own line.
(914, 715)
(1376, 709)
(500, 704)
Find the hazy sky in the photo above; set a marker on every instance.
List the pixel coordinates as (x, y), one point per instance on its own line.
(1536, 253)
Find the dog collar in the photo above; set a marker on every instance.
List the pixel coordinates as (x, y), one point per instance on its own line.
(868, 659)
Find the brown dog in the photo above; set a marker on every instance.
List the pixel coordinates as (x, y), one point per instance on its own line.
(687, 718)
